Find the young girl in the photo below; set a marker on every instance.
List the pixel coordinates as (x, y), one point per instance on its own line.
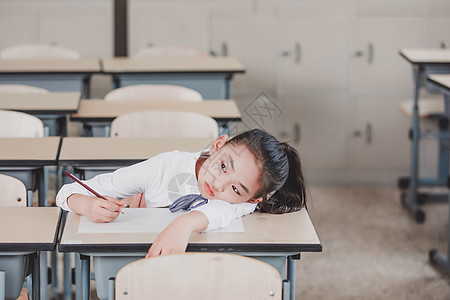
(251, 170)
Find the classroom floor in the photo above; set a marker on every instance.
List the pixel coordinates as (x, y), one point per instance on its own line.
(372, 249)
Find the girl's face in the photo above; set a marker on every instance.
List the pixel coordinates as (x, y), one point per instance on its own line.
(231, 173)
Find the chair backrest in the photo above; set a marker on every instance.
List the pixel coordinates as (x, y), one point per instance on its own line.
(14, 192)
(160, 123)
(149, 92)
(170, 51)
(18, 124)
(38, 51)
(198, 276)
(22, 89)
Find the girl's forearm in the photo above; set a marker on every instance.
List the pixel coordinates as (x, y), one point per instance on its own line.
(79, 203)
(196, 221)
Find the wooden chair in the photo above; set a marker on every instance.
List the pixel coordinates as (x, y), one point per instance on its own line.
(198, 276)
(170, 51)
(159, 123)
(153, 92)
(38, 51)
(21, 89)
(18, 124)
(14, 192)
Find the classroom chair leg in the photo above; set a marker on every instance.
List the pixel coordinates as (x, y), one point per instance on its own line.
(286, 289)
(111, 288)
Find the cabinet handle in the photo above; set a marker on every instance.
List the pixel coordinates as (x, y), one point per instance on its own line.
(297, 133)
(297, 53)
(442, 45)
(368, 133)
(370, 53)
(224, 49)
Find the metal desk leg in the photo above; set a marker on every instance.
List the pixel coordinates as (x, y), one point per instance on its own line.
(85, 276)
(438, 258)
(67, 277)
(35, 276)
(43, 275)
(291, 275)
(410, 202)
(2, 285)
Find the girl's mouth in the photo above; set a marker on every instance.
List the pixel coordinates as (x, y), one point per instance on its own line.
(208, 189)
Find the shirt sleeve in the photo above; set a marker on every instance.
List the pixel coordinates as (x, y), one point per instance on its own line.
(122, 183)
(221, 213)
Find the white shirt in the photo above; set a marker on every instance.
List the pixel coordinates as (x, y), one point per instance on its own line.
(163, 179)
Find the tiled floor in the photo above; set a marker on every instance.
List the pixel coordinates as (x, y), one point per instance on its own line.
(372, 249)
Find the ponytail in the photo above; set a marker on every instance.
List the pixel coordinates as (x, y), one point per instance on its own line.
(283, 186)
(292, 195)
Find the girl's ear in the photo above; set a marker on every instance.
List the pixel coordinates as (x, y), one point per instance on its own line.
(219, 143)
(254, 201)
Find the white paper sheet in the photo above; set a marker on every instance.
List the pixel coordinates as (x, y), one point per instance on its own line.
(135, 220)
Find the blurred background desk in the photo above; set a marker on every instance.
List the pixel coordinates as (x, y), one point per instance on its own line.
(210, 76)
(56, 75)
(51, 108)
(98, 114)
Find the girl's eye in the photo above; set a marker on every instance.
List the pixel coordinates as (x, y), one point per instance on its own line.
(224, 168)
(235, 190)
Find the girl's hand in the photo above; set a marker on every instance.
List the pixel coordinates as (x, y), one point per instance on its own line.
(172, 240)
(175, 237)
(103, 211)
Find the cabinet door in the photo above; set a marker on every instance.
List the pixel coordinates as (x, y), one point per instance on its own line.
(380, 135)
(166, 23)
(313, 53)
(438, 25)
(379, 67)
(317, 127)
(250, 39)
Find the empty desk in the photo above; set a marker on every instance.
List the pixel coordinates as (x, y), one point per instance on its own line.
(100, 113)
(424, 61)
(24, 233)
(51, 108)
(25, 159)
(210, 76)
(56, 75)
(268, 237)
(89, 155)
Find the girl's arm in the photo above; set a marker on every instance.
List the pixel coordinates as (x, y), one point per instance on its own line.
(96, 209)
(175, 237)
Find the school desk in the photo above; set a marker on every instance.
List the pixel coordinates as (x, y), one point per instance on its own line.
(442, 82)
(99, 113)
(51, 108)
(25, 159)
(424, 61)
(24, 233)
(56, 75)
(210, 76)
(268, 237)
(95, 155)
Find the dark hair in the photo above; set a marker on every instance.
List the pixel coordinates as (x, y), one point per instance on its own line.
(281, 172)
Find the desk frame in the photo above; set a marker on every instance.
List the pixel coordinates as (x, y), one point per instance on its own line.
(435, 256)
(410, 201)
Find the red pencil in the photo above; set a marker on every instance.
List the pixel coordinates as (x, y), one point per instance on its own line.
(86, 186)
